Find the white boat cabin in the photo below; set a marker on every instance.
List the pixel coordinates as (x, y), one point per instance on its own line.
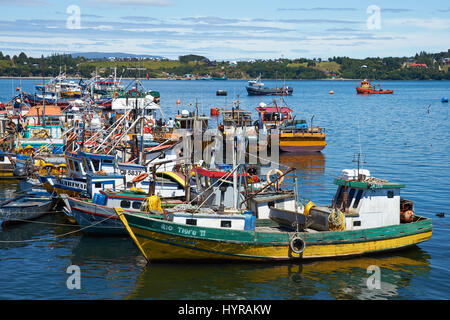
(367, 202)
(233, 221)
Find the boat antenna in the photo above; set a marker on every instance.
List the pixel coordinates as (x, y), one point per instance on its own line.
(359, 139)
(359, 154)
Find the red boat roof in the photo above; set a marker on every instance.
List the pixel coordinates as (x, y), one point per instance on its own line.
(274, 109)
(214, 174)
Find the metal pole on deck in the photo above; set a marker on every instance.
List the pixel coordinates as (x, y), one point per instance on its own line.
(235, 187)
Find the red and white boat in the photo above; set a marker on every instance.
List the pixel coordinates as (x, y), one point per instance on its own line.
(367, 88)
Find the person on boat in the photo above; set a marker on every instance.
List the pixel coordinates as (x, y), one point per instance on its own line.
(170, 123)
(10, 126)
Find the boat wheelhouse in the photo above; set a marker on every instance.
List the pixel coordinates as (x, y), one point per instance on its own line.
(273, 116)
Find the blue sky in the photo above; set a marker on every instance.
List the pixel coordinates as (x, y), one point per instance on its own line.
(229, 30)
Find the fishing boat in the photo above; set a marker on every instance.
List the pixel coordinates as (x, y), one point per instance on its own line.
(25, 207)
(224, 77)
(7, 165)
(59, 91)
(297, 136)
(367, 88)
(257, 88)
(97, 215)
(366, 218)
(273, 116)
(294, 134)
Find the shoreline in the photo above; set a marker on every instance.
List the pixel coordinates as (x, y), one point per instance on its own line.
(174, 79)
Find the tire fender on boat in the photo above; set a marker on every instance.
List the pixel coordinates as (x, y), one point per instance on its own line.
(297, 244)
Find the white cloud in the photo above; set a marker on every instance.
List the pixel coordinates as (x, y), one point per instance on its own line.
(156, 3)
(433, 23)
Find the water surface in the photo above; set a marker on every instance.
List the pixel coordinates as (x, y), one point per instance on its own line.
(404, 137)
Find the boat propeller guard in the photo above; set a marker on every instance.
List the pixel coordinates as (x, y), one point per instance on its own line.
(297, 244)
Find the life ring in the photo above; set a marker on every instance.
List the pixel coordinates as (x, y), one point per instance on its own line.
(297, 244)
(140, 177)
(177, 124)
(151, 123)
(271, 172)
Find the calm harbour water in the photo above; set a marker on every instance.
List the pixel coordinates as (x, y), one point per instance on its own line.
(405, 137)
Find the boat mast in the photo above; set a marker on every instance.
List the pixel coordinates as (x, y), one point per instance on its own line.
(235, 187)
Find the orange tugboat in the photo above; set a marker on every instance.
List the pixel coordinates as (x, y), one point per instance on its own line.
(367, 88)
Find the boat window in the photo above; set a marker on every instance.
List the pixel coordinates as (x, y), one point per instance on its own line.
(390, 194)
(84, 165)
(125, 204)
(225, 224)
(107, 161)
(192, 222)
(357, 199)
(2, 158)
(339, 197)
(71, 165)
(77, 166)
(136, 205)
(98, 184)
(350, 196)
(96, 164)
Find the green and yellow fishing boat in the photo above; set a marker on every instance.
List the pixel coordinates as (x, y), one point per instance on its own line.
(367, 216)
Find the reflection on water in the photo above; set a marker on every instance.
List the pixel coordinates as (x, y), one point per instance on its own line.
(89, 248)
(310, 172)
(329, 279)
(306, 163)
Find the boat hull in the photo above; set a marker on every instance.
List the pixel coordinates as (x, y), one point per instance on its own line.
(96, 219)
(302, 142)
(12, 213)
(269, 91)
(161, 240)
(360, 90)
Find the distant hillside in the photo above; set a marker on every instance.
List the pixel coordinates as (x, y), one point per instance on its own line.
(421, 66)
(106, 55)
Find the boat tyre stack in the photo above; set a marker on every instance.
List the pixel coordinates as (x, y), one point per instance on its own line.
(297, 244)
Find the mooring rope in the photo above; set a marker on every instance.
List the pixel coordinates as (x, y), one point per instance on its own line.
(56, 236)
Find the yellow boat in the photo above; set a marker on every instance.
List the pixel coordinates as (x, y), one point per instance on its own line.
(368, 217)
